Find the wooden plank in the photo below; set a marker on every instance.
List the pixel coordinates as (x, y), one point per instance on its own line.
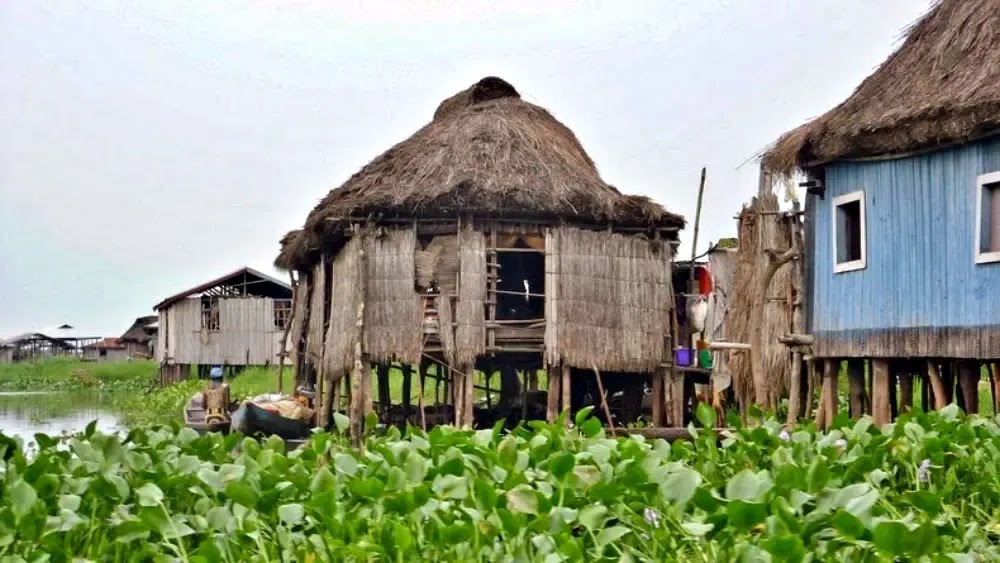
(856, 386)
(881, 410)
(937, 386)
(968, 382)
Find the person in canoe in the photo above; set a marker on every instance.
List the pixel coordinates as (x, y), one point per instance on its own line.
(215, 399)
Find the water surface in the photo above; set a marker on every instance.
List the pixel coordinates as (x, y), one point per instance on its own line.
(25, 414)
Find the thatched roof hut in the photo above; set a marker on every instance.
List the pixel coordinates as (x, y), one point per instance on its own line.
(423, 253)
(938, 89)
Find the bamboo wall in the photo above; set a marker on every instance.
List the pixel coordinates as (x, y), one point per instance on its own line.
(393, 316)
(247, 335)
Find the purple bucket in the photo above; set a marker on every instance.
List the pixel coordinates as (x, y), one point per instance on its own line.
(682, 356)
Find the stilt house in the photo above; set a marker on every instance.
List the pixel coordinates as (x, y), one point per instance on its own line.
(903, 210)
(486, 241)
(236, 320)
(140, 338)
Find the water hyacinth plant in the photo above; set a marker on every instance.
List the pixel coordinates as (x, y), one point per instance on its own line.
(925, 488)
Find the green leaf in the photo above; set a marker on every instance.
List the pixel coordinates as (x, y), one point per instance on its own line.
(582, 415)
(608, 535)
(745, 515)
(592, 428)
(522, 499)
(587, 474)
(451, 487)
(149, 495)
(848, 524)
(69, 502)
(211, 478)
(291, 514)
(696, 529)
(705, 414)
(242, 494)
(561, 465)
(743, 486)
(130, 531)
(323, 480)
(817, 476)
(681, 485)
(862, 504)
(926, 501)
(890, 537)
(22, 498)
(341, 421)
(346, 464)
(785, 548)
(592, 517)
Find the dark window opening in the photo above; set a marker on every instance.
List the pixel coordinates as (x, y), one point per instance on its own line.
(849, 232)
(103, 353)
(989, 227)
(209, 313)
(521, 284)
(282, 313)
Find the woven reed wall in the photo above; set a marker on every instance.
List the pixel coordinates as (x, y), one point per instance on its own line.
(393, 324)
(470, 311)
(314, 336)
(758, 233)
(300, 310)
(342, 333)
(612, 300)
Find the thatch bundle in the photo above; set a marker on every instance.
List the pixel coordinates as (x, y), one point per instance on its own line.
(757, 234)
(486, 153)
(938, 88)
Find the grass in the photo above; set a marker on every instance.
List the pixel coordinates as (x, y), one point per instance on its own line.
(66, 374)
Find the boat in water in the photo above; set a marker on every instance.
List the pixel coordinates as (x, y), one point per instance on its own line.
(194, 418)
(269, 419)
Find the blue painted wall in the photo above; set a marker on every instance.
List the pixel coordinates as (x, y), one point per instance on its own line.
(921, 270)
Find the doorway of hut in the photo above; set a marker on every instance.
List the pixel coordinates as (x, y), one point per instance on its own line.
(520, 285)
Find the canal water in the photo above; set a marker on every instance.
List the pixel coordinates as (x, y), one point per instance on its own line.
(25, 414)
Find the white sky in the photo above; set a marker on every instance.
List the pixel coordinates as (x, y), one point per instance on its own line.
(146, 147)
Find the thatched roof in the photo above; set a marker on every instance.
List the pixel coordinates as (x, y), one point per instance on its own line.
(939, 88)
(138, 332)
(486, 153)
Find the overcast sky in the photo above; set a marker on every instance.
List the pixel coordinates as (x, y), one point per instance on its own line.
(144, 150)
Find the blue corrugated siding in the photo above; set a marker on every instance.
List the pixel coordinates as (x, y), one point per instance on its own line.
(921, 268)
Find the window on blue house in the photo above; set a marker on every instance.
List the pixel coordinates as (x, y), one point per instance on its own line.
(988, 218)
(849, 246)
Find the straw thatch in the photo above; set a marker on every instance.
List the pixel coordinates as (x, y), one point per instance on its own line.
(137, 332)
(393, 322)
(758, 233)
(343, 332)
(939, 88)
(611, 300)
(486, 153)
(470, 313)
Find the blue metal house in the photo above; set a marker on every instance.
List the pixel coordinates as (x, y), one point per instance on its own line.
(903, 205)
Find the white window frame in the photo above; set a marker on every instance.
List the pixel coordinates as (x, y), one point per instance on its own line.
(981, 182)
(853, 265)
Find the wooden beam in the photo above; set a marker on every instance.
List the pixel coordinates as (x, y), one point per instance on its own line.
(658, 380)
(937, 386)
(881, 410)
(552, 409)
(828, 397)
(407, 389)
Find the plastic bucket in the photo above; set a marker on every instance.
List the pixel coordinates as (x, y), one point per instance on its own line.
(705, 358)
(682, 356)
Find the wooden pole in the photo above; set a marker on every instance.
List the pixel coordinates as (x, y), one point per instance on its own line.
(469, 406)
(905, 391)
(384, 397)
(407, 390)
(831, 373)
(995, 385)
(937, 385)
(658, 377)
(552, 408)
(968, 382)
(420, 395)
(893, 389)
(881, 411)
(697, 222)
(566, 397)
(856, 385)
(604, 402)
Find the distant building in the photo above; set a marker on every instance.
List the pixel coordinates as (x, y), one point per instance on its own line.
(140, 339)
(105, 350)
(63, 340)
(238, 320)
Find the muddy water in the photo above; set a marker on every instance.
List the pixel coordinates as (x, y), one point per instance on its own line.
(25, 414)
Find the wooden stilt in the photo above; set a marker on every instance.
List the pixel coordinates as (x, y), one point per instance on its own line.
(968, 382)
(458, 396)
(881, 411)
(421, 379)
(675, 400)
(856, 385)
(995, 385)
(533, 380)
(335, 393)
(905, 391)
(384, 398)
(926, 403)
(407, 390)
(604, 402)
(828, 398)
(368, 387)
(893, 389)
(937, 386)
(469, 396)
(658, 377)
(948, 378)
(566, 396)
(554, 395)
(811, 378)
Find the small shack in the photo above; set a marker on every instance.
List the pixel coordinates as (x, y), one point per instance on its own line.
(486, 243)
(140, 338)
(105, 350)
(60, 341)
(236, 320)
(903, 217)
